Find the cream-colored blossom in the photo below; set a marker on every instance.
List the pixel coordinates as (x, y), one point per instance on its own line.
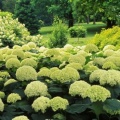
(79, 88)
(59, 116)
(99, 61)
(58, 103)
(10, 56)
(2, 94)
(10, 81)
(21, 117)
(26, 73)
(76, 66)
(25, 47)
(98, 93)
(36, 88)
(1, 105)
(19, 53)
(41, 103)
(13, 97)
(108, 52)
(31, 45)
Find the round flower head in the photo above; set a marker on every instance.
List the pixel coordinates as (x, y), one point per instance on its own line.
(58, 103)
(59, 116)
(76, 66)
(4, 74)
(10, 81)
(79, 88)
(12, 63)
(99, 61)
(26, 73)
(68, 47)
(10, 56)
(41, 103)
(19, 53)
(22, 117)
(16, 47)
(9, 51)
(54, 75)
(13, 97)
(108, 53)
(91, 48)
(29, 62)
(36, 88)
(98, 93)
(109, 47)
(1, 105)
(31, 45)
(77, 59)
(112, 106)
(25, 48)
(44, 72)
(109, 65)
(1, 57)
(2, 94)
(27, 55)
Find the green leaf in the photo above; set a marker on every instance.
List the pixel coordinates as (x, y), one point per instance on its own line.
(77, 108)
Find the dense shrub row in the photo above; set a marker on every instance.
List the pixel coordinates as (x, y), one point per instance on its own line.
(69, 83)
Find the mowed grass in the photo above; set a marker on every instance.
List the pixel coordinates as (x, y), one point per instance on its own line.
(92, 29)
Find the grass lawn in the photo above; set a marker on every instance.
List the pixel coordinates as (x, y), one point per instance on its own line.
(92, 29)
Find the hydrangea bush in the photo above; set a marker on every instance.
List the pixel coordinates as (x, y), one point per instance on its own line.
(59, 83)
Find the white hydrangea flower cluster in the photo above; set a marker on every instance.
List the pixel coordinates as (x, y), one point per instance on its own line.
(13, 97)
(110, 77)
(1, 105)
(58, 103)
(36, 88)
(79, 88)
(21, 117)
(59, 116)
(26, 73)
(76, 66)
(2, 94)
(10, 81)
(41, 103)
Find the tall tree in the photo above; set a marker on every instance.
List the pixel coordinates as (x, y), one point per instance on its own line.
(25, 12)
(108, 8)
(63, 9)
(0, 4)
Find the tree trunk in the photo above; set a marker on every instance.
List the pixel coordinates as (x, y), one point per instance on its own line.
(110, 23)
(70, 20)
(94, 20)
(88, 19)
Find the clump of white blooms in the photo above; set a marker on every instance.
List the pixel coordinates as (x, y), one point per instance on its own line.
(108, 52)
(44, 72)
(19, 53)
(2, 94)
(59, 116)
(76, 66)
(110, 77)
(58, 103)
(26, 73)
(30, 62)
(21, 117)
(99, 61)
(4, 75)
(67, 74)
(36, 88)
(10, 56)
(98, 93)
(1, 105)
(12, 63)
(13, 97)
(91, 48)
(68, 48)
(31, 45)
(79, 88)
(109, 47)
(25, 47)
(10, 81)
(41, 103)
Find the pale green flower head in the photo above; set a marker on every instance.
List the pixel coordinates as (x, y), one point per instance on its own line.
(68, 48)
(54, 75)
(12, 63)
(13, 97)
(109, 65)
(19, 53)
(76, 66)
(10, 56)
(59, 116)
(4, 50)
(1, 57)
(65, 56)
(29, 62)
(99, 61)
(98, 93)
(9, 51)
(83, 53)
(77, 59)
(27, 55)
(58, 103)
(21, 117)
(112, 110)
(10, 81)
(2, 94)
(26, 73)
(109, 47)
(16, 47)
(91, 48)
(95, 75)
(36, 88)
(4, 74)
(108, 52)
(44, 72)
(1, 105)
(79, 88)
(41, 103)
(31, 45)
(25, 47)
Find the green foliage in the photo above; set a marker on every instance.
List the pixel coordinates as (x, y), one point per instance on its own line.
(58, 37)
(77, 31)
(25, 12)
(107, 37)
